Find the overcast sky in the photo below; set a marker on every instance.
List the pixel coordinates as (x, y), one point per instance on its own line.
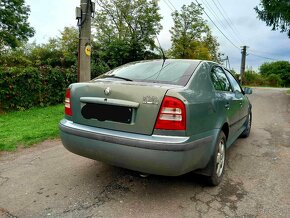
(50, 17)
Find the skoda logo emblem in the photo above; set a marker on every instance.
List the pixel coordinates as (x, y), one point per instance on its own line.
(107, 91)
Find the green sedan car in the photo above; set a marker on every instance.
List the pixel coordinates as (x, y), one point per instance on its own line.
(164, 117)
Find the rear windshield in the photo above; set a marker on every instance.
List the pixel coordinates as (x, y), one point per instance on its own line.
(176, 72)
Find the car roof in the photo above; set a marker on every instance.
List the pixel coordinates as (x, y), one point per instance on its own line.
(176, 60)
(167, 59)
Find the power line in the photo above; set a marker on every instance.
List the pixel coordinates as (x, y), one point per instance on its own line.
(253, 52)
(233, 28)
(168, 5)
(172, 4)
(207, 16)
(216, 26)
(233, 32)
(261, 52)
(206, 4)
(233, 25)
(264, 57)
(220, 22)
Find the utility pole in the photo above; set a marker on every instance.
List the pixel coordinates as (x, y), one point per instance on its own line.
(83, 14)
(227, 60)
(243, 63)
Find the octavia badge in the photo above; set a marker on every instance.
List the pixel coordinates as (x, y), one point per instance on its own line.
(107, 91)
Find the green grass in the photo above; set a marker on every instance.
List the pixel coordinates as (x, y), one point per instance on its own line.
(29, 127)
(288, 91)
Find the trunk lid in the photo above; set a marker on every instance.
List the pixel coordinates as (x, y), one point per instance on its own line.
(116, 105)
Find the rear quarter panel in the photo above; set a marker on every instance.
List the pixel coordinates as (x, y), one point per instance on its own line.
(205, 116)
(203, 112)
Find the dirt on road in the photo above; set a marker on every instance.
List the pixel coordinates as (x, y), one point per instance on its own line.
(49, 181)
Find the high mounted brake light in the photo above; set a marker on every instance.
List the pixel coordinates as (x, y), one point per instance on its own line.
(172, 115)
(67, 103)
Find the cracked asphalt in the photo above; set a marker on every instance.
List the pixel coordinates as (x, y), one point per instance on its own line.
(48, 181)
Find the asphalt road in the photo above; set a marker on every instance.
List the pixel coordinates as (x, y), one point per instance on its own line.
(49, 181)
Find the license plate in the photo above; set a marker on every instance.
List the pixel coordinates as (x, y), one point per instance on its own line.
(103, 112)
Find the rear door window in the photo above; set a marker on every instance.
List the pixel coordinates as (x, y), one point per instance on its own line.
(219, 79)
(215, 81)
(234, 83)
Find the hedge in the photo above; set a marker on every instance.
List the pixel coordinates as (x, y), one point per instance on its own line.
(22, 88)
(254, 79)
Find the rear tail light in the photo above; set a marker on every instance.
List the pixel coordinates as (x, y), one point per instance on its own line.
(172, 115)
(67, 103)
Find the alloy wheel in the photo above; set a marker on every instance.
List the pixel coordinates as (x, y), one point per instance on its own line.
(220, 159)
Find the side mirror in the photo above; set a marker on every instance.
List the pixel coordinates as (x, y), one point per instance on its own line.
(238, 94)
(248, 91)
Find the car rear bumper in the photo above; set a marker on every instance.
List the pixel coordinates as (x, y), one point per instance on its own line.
(156, 154)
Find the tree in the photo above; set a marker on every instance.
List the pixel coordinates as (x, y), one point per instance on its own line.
(68, 45)
(191, 36)
(57, 52)
(254, 79)
(212, 45)
(14, 27)
(275, 13)
(274, 80)
(15, 58)
(280, 68)
(125, 30)
(60, 51)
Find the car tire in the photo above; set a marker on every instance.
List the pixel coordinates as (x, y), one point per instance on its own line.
(248, 124)
(218, 161)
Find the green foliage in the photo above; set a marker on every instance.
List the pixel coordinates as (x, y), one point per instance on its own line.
(22, 88)
(254, 79)
(275, 74)
(29, 127)
(15, 57)
(280, 68)
(98, 67)
(57, 52)
(14, 27)
(235, 74)
(274, 80)
(191, 37)
(68, 45)
(125, 31)
(37, 75)
(60, 51)
(45, 55)
(275, 13)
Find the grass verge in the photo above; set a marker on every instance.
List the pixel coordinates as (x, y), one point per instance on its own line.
(288, 91)
(29, 127)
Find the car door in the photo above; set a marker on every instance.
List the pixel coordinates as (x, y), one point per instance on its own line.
(228, 101)
(244, 103)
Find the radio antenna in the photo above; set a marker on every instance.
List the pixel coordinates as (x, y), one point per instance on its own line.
(163, 55)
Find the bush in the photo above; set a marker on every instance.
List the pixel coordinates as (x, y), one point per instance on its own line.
(274, 80)
(254, 79)
(280, 68)
(22, 88)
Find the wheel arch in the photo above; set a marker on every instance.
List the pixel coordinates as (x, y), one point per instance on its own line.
(206, 171)
(226, 129)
